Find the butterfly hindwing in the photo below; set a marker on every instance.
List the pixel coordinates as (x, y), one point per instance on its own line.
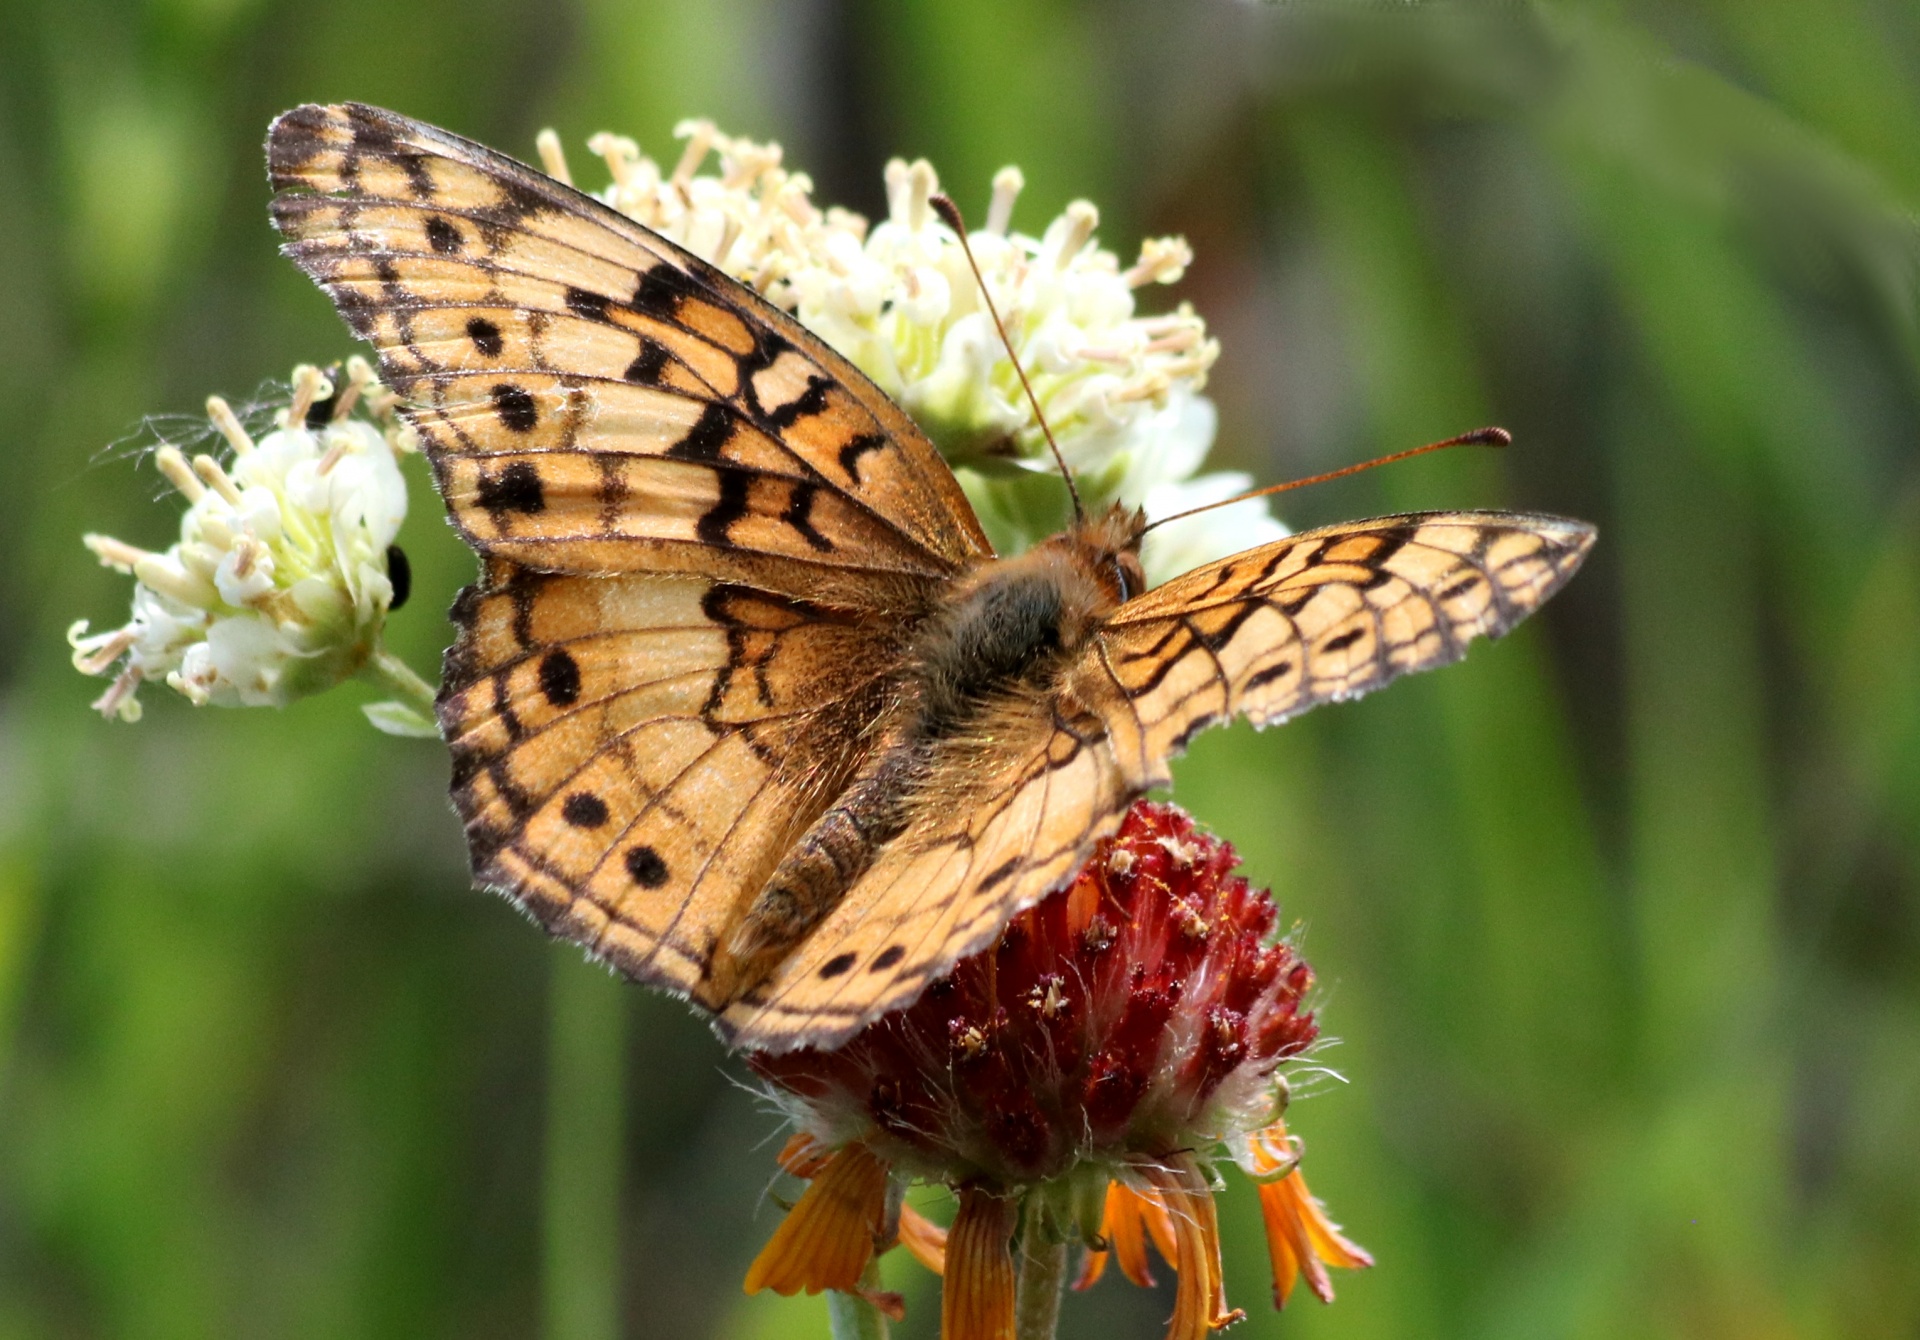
(1021, 806)
(593, 398)
(1319, 617)
(633, 754)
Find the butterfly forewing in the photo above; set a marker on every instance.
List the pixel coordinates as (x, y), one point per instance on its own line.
(594, 398)
(1318, 617)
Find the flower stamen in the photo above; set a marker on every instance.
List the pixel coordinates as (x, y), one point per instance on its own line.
(171, 463)
(1007, 185)
(553, 155)
(115, 554)
(228, 423)
(217, 479)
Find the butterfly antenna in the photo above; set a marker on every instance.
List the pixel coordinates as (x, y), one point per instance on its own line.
(950, 215)
(1479, 437)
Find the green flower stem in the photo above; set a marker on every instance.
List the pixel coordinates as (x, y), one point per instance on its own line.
(389, 671)
(580, 1213)
(853, 1317)
(1043, 1276)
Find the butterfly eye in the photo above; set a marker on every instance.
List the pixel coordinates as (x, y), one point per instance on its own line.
(1129, 576)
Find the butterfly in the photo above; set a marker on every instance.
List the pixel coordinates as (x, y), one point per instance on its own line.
(743, 700)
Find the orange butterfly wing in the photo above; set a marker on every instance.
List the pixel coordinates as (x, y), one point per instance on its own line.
(593, 398)
(1023, 802)
(704, 530)
(633, 754)
(1319, 617)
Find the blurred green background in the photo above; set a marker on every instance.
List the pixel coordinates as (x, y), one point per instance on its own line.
(1619, 922)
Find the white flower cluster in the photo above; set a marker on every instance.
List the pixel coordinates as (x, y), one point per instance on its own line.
(1121, 391)
(280, 582)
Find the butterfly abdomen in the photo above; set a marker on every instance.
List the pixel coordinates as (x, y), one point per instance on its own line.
(818, 869)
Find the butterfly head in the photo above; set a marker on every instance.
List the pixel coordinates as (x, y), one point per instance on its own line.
(1107, 546)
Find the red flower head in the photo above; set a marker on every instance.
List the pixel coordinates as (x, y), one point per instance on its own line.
(1074, 1081)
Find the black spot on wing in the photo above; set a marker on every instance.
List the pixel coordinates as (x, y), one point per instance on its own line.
(708, 436)
(808, 402)
(444, 237)
(515, 407)
(729, 508)
(851, 453)
(836, 965)
(1178, 744)
(560, 678)
(1261, 678)
(503, 708)
(646, 867)
(517, 488)
(650, 365)
(583, 809)
(588, 306)
(1000, 874)
(486, 338)
(661, 291)
(799, 515)
(887, 957)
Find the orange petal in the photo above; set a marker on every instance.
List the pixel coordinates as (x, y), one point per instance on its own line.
(1222, 1316)
(1273, 1151)
(827, 1239)
(1201, 1303)
(1130, 1216)
(1302, 1241)
(1153, 1212)
(924, 1238)
(977, 1301)
(803, 1156)
(1329, 1244)
(1093, 1264)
